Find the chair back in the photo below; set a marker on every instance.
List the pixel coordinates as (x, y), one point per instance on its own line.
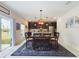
(28, 34)
(56, 34)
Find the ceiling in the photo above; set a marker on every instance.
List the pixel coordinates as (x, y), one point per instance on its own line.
(31, 9)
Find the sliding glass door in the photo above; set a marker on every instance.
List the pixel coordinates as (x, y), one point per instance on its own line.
(5, 33)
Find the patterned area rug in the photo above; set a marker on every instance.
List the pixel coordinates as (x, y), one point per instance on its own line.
(23, 51)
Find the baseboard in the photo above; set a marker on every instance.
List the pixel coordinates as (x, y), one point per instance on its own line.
(70, 48)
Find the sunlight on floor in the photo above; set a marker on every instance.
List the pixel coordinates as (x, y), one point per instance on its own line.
(5, 46)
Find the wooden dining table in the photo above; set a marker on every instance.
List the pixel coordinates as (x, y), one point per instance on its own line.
(40, 41)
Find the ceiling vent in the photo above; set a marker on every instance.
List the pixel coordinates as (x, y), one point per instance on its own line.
(68, 2)
(4, 10)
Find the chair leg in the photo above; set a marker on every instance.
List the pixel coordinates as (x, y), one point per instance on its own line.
(56, 45)
(26, 44)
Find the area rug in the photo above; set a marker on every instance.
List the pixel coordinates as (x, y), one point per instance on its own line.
(28, 51)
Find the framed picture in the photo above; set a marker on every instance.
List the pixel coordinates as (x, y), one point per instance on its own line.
(70, 23)
(25, 26)
(17, 26)
(76, 22)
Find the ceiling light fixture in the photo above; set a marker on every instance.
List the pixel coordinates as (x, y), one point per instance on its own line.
(41, 20)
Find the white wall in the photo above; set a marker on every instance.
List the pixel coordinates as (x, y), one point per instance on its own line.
(16, 19)
(69, 36)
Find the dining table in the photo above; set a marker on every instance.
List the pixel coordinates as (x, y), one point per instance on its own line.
(41, 41)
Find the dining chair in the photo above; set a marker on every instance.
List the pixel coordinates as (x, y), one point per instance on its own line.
(54, 40)
(27, 37)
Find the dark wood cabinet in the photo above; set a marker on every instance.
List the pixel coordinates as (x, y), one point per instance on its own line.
(35, 25)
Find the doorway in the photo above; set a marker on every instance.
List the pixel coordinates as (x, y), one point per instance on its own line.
(22, 31)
